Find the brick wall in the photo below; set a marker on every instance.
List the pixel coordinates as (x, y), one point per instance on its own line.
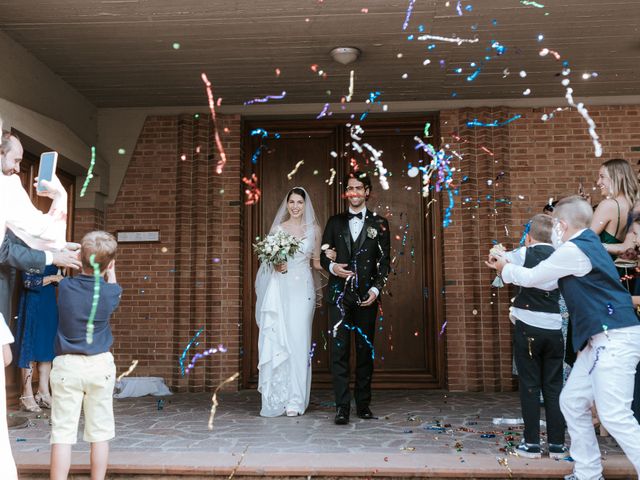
(192, 278)
(529, 162)
(86, 220)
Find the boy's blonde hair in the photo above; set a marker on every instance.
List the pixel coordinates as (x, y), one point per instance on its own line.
(574, 210)
(540, 227)
(101, 244)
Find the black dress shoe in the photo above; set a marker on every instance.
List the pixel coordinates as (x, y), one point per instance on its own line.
(342, 416)
(365, 413)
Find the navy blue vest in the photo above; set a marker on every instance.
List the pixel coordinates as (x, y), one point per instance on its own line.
(597, 301)
(535, 299)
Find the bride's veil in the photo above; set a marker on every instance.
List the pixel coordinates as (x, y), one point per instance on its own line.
(312, 232)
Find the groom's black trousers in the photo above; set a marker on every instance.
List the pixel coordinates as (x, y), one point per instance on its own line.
(365, 319)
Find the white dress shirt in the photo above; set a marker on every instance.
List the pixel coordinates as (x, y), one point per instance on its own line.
(567, 260)
(549, 321)
(42, 231)
(356, 224)
(355, 227)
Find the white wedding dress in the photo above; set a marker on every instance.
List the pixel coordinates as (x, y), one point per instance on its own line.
(285, 316)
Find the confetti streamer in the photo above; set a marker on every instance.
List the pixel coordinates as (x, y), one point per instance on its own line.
(504, 462)
(266, 99)
(595, 362)
(311, 353)
(444, 325)
(134, 364)
(545, 51)
(495, 123)
(483, 148)
(474, 75)
(373, 98)
(527, 228)
(457, 40)
(212, 108)
(233, 472)
(459, 8)
(183, 356)
(351, 85)
(592, 125)
(295, 169)
(408, 15)
(332, 178)
(253, 193)
(206, 353)
(426, 129)
(96, 297)
(214, 400)
(324, 111)
(89, 172)
(529, 3)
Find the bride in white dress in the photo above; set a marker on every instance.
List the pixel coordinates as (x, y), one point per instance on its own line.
(286, 301)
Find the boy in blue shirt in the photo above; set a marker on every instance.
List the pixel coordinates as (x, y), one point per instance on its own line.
(606, 332)
(83, 373)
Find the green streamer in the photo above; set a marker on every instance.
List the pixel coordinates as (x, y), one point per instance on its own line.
(96, 297)
(89, 173)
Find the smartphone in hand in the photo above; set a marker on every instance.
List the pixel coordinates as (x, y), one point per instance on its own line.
(48, 163)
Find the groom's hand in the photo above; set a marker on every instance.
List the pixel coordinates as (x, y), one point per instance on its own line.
(370, 299)
(340, 270)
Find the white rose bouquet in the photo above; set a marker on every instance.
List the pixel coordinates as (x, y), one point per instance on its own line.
(277, 247)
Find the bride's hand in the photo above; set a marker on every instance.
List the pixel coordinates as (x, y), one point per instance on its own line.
(331, 254)
(281, 267)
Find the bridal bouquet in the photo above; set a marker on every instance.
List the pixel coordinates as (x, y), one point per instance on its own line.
(277, 247)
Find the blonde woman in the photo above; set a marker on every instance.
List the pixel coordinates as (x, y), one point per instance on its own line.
(618, 183)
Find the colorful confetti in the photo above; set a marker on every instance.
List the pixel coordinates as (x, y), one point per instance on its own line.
(266, 99)
(295, 169)
(457, 40)
(96, 297)
(90, 171)
(495, 123)
(408, 15)
(206, 353)
(351, 85)
(324, 111)
(132, 367)
(529, 3)
(221, 152)
(252, 191)
(330, 180)
(183, 355)
(214, 400)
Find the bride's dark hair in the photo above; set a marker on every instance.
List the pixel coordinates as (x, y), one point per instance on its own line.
(297, 191)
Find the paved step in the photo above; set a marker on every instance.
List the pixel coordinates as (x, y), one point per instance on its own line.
(199, 465)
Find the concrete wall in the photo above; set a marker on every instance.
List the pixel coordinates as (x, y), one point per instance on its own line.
(51, 115)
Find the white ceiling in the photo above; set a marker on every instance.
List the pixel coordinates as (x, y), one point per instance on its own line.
(119, 52)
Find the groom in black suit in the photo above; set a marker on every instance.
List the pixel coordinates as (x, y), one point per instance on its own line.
(361, 240)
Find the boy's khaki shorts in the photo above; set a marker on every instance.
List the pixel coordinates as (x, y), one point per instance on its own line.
(82, 382)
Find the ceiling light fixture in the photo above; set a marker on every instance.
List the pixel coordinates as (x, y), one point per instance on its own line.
(345, 55)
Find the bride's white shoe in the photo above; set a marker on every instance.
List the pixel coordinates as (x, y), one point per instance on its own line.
(292, 413)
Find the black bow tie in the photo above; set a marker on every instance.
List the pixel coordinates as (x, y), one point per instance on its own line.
(354, 215)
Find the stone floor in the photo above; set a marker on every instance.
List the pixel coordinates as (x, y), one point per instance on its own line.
(428, 422)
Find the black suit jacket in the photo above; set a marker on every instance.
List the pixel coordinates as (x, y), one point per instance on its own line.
(370, 253)
(16, 255)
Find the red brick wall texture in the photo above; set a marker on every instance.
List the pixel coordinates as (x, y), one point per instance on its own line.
(193, 277)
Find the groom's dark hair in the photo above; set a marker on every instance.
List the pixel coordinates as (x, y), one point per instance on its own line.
(361, 177)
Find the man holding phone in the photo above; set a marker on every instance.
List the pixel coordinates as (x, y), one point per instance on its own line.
(14, 253)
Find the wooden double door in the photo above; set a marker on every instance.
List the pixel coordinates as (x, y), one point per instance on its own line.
(409, 351)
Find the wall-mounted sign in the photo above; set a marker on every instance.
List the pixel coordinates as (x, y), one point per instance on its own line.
(138, 237)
